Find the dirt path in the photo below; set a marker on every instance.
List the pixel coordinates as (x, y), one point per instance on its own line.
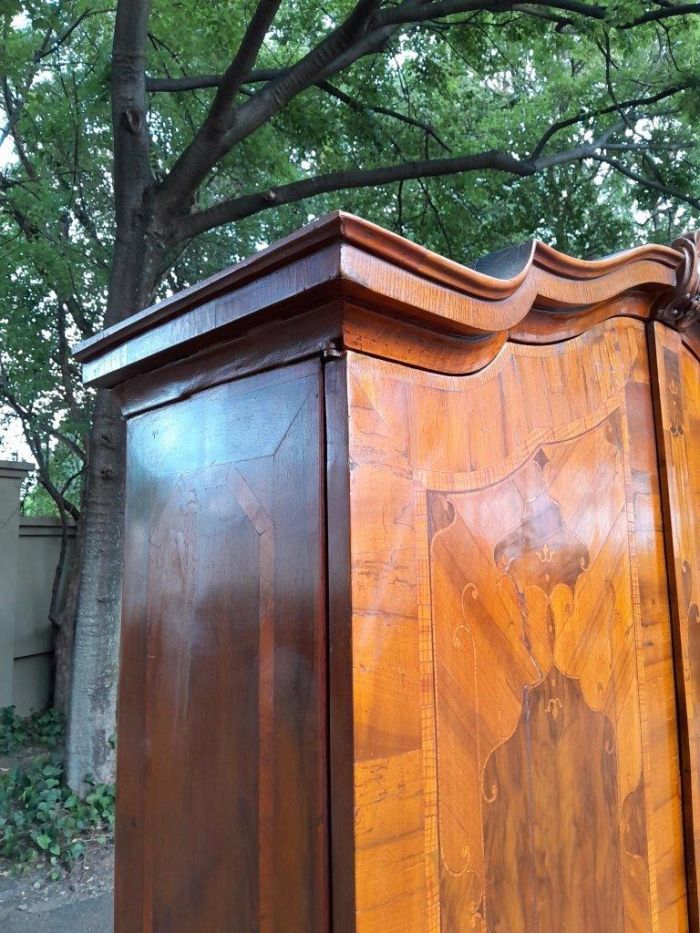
(79, 903)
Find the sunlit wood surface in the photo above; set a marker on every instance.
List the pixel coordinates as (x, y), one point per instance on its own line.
(410, 618)
(515, 749)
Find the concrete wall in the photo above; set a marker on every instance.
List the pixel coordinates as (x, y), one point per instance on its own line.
(11, 475)
(38, 548)
(29, 553)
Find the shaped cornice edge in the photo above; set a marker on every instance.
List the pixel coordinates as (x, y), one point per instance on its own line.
(537, 295)
(535, 256)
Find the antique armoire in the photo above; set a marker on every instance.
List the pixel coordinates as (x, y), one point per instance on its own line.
(411, 637)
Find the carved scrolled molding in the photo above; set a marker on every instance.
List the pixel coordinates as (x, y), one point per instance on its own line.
(360, 287)
(679, 307)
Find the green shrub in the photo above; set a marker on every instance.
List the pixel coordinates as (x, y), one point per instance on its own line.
(16, 732)
(43, 822)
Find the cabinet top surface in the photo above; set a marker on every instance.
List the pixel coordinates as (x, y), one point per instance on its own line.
(341, 256)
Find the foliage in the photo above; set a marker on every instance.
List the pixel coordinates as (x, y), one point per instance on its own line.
(42, 822)
(494, 78)
(44, 728)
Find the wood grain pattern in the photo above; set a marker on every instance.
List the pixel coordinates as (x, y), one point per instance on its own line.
(465, 314)
(516, 760)
(539, 872)
(340, 711)
(222, 734)
(398, 651)
(678, 422)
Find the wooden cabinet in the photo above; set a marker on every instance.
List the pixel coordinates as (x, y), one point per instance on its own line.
(411, 638)
(222, 733)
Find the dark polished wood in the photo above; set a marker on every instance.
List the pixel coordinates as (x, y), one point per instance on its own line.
(340, 705)
(398, 651)
(222, 716)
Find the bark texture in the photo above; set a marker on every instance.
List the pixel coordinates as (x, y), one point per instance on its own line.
(93, 682)
(91, 721)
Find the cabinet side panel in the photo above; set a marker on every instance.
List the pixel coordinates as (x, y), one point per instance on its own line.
(655, 645)
(221, 818)
(515, 744)
(677, 390)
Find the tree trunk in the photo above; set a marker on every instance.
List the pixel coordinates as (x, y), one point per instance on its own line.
(138, 252)
(91, 722)
(93, 682)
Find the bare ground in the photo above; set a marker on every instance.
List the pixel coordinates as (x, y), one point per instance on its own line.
(80, 902)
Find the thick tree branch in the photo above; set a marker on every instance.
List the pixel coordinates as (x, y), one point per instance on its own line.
(199, 82)
(655, 16)
(207, 148)
(413, 11)
(243, 61)
(184, 83)
(237, 208)
(367, 30)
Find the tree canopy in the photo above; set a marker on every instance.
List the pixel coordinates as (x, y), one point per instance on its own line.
(537, 79)
(216, 128)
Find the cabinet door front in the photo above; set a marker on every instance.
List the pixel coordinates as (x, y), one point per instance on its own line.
(221, 754)
(515, 734)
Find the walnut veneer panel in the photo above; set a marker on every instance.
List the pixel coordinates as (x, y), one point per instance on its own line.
(678, 407)
(515, 749)
(221, 821)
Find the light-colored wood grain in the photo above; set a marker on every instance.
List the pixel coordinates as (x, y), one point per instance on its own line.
(513, 691)
(433, 312)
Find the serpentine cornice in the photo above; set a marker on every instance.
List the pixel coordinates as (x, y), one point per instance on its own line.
(532, 293)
